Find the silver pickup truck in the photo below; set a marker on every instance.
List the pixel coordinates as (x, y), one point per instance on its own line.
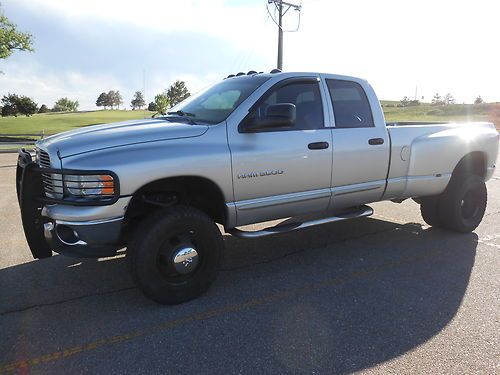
(251, 148)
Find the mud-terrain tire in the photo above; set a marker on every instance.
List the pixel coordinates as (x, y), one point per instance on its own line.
(161, 258)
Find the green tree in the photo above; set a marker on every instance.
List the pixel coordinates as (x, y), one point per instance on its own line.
(66, 105)
(448, 99)
(114, 99)
(162, 103)
(7, 111)
(102, 100)
(177, 93)
(117, 99)
(138, 101)
(479, 100)
(11, 39)
(27, 106)
(13, 105)
(152, 107)
(43, 109)
(436, 100)
(405, 101)
(109, 99)
(9, 105)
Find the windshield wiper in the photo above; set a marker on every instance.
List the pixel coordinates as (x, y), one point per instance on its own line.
(181, 113)
(186, 115)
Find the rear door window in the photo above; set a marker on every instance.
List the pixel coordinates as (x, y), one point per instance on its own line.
(350, 104)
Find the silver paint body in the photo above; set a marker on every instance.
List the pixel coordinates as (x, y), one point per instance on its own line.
(282, 177)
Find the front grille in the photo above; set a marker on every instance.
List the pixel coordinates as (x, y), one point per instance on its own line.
(52, 182)
(43, 158)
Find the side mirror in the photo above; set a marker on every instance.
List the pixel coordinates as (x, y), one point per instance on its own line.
(277, 116)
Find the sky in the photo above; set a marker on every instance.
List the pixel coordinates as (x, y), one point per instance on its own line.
(402, 47)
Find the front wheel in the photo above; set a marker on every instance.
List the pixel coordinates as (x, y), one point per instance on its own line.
(175, 254)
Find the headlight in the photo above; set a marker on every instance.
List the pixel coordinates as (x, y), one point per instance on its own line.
(91, 186)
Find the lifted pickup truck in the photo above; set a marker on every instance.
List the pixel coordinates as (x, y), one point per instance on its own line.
(251, 148)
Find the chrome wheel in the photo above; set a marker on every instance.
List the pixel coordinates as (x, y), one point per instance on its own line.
(179, 257)
(185, 260)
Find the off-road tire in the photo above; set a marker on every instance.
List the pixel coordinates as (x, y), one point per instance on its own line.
(147, 246)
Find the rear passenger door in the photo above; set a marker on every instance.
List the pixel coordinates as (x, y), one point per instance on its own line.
(360, 146)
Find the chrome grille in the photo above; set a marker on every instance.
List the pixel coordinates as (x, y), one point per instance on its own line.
(52, 182)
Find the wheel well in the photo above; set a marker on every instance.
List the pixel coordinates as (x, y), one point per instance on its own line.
(194, 191)
(472, 163)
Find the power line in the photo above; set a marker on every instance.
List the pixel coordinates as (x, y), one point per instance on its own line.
(282, 7)
(273, 18)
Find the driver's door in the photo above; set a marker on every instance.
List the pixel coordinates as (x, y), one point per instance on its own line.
(283, 172)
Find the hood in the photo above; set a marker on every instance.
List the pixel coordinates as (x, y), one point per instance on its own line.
(98, 137)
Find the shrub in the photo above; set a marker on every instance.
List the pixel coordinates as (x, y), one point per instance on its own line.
(66, 105)
(152, 107)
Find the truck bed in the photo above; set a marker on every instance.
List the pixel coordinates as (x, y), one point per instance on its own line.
(407, 123)
(423, 154)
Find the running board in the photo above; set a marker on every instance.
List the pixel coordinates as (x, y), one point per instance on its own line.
(362, 211)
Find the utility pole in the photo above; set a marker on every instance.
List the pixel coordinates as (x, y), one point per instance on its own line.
(280, 36)
(144, 85)
(282, 7)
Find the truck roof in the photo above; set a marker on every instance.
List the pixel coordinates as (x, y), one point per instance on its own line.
(276, 73)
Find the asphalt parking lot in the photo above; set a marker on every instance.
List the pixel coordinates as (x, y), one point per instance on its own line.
(385, 294)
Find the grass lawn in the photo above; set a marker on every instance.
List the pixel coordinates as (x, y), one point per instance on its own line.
(455, 112)
(52, 123)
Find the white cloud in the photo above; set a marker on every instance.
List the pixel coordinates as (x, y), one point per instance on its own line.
(28, 78)
(439, 46)
(238, 28)
(45, 88)
(214, 17)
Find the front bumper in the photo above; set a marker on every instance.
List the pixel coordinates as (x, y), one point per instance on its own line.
(88, 239)
(95, 238)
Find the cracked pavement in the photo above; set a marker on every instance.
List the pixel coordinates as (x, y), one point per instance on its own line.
(384, 294)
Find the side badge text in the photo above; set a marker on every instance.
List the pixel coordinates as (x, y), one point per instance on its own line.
(260, 174)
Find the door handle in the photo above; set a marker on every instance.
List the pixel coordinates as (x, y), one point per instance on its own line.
(376, 141)
(318, 145)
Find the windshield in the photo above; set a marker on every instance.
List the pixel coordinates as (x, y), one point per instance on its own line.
(216, 103)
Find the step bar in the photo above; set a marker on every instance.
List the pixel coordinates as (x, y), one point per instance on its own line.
(362, 211)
